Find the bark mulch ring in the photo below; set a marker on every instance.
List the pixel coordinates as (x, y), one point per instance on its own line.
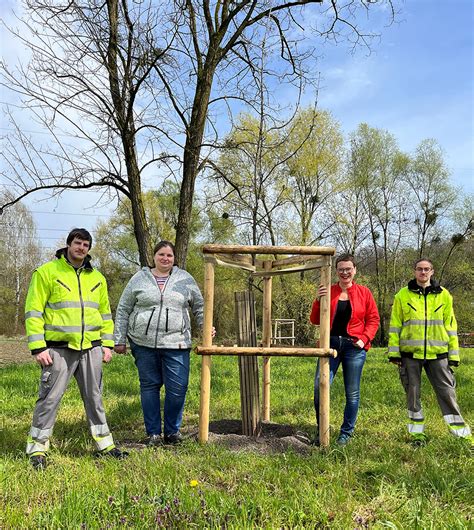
(274, 438)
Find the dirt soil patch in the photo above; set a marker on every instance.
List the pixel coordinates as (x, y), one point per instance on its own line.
(14, 351)
(273, 438)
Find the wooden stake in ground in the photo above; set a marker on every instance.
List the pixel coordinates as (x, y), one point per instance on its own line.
(324, 332)
(246, 324)
(206, 359)
(266, 337)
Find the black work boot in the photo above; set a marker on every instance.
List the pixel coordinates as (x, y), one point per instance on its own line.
(113, 453)
(38, 461)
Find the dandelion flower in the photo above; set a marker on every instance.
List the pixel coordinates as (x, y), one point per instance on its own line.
(193, 483)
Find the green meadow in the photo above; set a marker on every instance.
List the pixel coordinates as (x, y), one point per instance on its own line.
(378, 481)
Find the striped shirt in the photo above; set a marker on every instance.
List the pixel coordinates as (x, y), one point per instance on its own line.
(161, 281)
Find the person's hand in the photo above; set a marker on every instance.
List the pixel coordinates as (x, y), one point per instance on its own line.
(120, 348)
(359, 343)
(107, 354)
(213, 332)
(322, 291)
(395, 360)
(43, 358)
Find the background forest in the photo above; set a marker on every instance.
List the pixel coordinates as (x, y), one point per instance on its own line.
(303, 184)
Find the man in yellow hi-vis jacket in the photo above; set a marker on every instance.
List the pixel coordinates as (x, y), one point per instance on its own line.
(423, 334)
(70, 332)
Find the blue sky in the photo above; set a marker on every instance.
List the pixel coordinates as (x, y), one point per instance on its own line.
(416, 83)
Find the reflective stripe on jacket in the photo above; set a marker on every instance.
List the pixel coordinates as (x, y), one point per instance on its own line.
(423, 325)
(65, 305)
(364, 320)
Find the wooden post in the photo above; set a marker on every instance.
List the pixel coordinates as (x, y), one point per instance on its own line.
(206, 359)
(248, 365)
(266, 337)
(324, 331)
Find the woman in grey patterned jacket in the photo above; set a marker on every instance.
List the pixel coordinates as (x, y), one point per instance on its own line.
(153, 313)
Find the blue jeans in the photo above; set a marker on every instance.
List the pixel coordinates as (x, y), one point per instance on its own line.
(158, 367)
(352, 359)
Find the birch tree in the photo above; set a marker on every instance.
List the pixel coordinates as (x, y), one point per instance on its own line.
(20, 249)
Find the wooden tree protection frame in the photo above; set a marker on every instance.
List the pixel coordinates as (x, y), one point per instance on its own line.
(301, 259)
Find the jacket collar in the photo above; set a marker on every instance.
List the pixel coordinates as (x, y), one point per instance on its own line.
(434, 287)
(86, 264)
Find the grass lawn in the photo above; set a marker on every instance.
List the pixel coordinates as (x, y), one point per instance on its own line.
(377, 481)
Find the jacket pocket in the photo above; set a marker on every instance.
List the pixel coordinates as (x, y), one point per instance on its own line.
(149, 321)
(141, 323)
(171, 321)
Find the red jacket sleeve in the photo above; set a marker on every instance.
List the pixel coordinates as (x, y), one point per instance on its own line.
(314, 317)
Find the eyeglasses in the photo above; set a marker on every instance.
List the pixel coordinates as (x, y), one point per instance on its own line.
(343, 271)
(423, 269)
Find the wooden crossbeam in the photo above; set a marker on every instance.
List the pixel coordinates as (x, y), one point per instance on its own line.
(267, 352)
(316, 264)
(264, 249)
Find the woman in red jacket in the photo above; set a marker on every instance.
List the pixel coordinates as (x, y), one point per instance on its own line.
(354, 322)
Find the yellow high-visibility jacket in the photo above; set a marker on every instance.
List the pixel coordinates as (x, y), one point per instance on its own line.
(423, 325)
(68, 307)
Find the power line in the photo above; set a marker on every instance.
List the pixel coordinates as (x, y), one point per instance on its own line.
(71, 214)
(61, 230)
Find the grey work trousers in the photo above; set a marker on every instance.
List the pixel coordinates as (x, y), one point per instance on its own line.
(86, 367)
(443, 382)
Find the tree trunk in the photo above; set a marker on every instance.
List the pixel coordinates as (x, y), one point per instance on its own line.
(140, 224)
(17, 302)
(192, 152)
(126, 126)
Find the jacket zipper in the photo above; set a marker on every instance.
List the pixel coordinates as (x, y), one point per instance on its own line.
(166, 325)
(426, 322)
(63, 284)
(161, 308)
(95, 287)
(83, 324)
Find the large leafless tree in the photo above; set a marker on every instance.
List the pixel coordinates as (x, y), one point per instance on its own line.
(130, 88)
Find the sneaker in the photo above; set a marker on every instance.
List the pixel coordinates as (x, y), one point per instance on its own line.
(154, 440)
(115, 452)
(173, 439)
(38, 461)
(343, 439)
